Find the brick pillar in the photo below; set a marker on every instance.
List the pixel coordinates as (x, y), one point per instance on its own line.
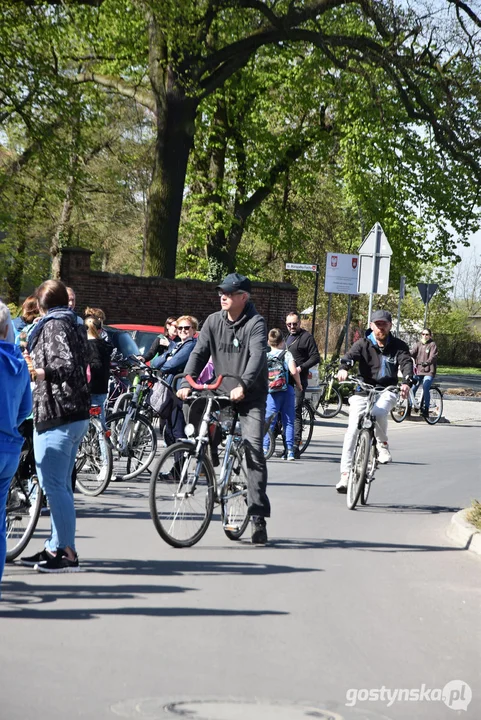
(74, 261)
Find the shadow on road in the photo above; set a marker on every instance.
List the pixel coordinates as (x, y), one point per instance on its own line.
(411, 509)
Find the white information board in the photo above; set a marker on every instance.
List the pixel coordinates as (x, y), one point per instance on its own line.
(341, 274)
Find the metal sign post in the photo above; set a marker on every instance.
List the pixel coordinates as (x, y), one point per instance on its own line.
(427, 290)
(375, 260)
(308, 268)
(327, 324)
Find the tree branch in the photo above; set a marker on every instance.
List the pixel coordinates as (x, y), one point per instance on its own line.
(140, 95)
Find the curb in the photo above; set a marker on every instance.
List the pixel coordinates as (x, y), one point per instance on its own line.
(463, 533)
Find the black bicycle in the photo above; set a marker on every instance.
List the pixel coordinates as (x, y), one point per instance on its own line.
(25, 498)
(307, 428)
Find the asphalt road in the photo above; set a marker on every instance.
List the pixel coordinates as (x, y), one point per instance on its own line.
(339, 604)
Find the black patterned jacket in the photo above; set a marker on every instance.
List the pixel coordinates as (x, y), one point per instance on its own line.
(60, 347)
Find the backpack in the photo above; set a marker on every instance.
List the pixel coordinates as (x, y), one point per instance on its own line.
(278, 373)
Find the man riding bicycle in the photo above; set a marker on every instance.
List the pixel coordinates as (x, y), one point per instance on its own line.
(379, 355)
(235, 338)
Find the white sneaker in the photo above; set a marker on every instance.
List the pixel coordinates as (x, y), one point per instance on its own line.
(341, 486)
(384, 456)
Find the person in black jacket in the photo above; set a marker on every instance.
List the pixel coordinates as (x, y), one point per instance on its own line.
(57, 346)
(303, 348)
(162, 343)
(100, 352)
(379, 355)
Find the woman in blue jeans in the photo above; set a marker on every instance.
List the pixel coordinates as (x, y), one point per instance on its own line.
(282, 401)
(425, 356)
(58, 350)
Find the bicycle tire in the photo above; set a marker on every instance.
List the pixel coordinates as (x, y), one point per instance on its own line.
(22, 503)
(330, 402)
(144, 444)
(357, 476)
(435, 406)
(122, 403)
(371, 467)
(400, 410)
(94, 454)
(179, 521)
(233, 506)
(307, 427)
(269, 452)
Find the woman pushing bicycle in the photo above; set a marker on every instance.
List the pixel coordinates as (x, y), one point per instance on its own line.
(379, 355)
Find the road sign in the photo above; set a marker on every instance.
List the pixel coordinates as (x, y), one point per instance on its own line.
(341, 274)
(297, 266)
(374, 263)
(427, 290)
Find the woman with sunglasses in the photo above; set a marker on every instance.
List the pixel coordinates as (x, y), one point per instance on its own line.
(425, 355)
(172, 363)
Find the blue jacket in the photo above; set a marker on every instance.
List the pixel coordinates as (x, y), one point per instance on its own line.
(15, 394)
(175, 359)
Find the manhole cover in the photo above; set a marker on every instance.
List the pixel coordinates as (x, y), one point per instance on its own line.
(234, 709)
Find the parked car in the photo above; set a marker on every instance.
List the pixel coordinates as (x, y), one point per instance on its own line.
(144, 335)
(122, 341)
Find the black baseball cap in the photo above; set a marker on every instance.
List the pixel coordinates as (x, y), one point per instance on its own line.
(381, 315)
(235, 283)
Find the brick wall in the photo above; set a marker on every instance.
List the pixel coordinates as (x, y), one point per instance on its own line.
(150, 300)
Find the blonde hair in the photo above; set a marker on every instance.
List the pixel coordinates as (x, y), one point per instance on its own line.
(96, 313)
(190, 319)
(94, 326)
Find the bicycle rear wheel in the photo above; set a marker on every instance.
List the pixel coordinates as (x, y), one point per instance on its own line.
(94, 461)
(435, 406)
(134, 449)
(330, 401)
(400, 410)
(357, 476)
(181, 495)
(271, 446)
(307, 426)
(24, 503)
(233, 507)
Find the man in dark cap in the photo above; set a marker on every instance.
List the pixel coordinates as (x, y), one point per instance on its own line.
(379, 355)
(236, 339)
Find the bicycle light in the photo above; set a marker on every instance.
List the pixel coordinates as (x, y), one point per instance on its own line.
(189, 430)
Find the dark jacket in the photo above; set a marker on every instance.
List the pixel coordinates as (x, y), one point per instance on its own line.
(157, 349)
(59, 345)
(426, 357)
(237, 348)
(379, 366)
(173, 362)
(304, 351)
(100, 353)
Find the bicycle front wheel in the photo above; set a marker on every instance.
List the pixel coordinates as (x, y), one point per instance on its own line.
(181, 495)
(94, 461)
(307, 426)
(233, 507)
(271, 444)
(371, 469)
(24, 503)
(357, 476)
(134, 443)
(435, 407)
(330, 402)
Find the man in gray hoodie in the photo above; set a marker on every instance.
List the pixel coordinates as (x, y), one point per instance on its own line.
(236, 339)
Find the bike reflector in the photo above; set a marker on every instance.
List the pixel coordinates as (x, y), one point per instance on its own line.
(95, 410)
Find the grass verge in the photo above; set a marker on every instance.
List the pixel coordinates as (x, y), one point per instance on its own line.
(448, 370)
(474, 514)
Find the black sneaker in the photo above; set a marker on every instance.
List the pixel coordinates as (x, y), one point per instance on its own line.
(33, 560)
(259, 531)
(297, 454)
(58, 564)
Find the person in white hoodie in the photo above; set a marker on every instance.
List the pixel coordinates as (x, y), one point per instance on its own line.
(15, 407)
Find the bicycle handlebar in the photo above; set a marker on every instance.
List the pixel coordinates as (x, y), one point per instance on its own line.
(203, 386)
(356, 380)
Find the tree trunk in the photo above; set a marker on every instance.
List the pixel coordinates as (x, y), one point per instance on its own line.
(14, 277)
(175, 134)
(60, 239)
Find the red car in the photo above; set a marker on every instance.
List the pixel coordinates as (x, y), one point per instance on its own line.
(144, 335)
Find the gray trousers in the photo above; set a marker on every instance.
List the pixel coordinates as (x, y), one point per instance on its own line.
(252, 421)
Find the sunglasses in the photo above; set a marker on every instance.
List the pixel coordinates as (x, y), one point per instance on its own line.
(184, 327)
(292, 324)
